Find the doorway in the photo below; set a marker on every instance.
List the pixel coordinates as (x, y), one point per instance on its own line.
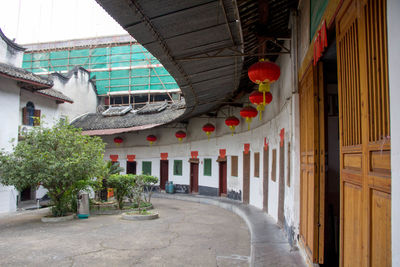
(163, 173)
(27, 194)
(246, 177)
(222, 179)
(194, 177)
(330, 157)
(131, 167)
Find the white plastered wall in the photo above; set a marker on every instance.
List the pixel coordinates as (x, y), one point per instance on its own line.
(80, 90)
(9, 103)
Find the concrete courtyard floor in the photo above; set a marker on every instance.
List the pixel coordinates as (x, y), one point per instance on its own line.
(186, 234)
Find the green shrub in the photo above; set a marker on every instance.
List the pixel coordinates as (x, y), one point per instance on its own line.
(123, 185)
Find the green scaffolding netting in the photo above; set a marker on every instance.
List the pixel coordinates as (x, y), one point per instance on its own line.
(114, 68)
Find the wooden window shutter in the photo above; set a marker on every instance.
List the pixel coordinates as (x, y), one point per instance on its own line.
(256, 164)
(207, 167)
(234, 166)
(36, 117)
(25, 118)
(146, 167)
(177, 167)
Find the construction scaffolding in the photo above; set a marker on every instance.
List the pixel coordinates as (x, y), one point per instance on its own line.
(118, 65)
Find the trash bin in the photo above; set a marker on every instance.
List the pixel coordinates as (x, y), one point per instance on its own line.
(83, 206)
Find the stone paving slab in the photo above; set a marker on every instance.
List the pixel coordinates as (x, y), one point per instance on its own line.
(186, 234)
(269, 246)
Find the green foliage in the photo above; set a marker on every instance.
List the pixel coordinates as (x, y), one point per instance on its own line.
(149, 183)
(60, 158)
(123, 186)
(109, 168)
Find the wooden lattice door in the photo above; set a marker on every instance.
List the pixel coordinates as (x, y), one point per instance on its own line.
(365, 179)
(309, 175)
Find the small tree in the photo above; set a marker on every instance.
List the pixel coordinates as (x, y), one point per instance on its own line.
(123, 186)
(149, 183)
(60, 158)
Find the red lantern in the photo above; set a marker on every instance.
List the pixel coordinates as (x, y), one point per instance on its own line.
(180, 135)
(151, 138)
(118, 140)
(264, 73)
(208, 128)
(232, 122)
(248, 113)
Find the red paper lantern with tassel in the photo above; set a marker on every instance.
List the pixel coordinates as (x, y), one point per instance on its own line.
(264, 73)
(248, 113)
(208, 128)
(118, 140)
(232, 122)
(151, 138)
(180, 135)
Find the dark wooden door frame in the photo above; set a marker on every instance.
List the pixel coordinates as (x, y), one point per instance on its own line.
(265, 178)
(281, 194)
(222, 188)
(246, 177)
(129, 168)
(194, 177)
(163, 175)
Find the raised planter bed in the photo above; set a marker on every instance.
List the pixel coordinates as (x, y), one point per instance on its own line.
(135, 216)
(113, 209)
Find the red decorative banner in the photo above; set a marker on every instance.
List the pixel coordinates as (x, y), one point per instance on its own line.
(265, 143)
(321, 41)
(222, 153)
(282, 135)
(194, 154)
(114, 158)
(246, 148)
(131, 157)
(164, 156)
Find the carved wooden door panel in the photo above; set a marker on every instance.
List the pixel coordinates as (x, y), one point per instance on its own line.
(365, 179)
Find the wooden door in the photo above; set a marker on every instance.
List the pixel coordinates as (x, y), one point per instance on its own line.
(222, 179)
(310, 217)
(163, 173)
(265, 178)
(194, 177)
(246, 177)
(281, 192)
(365, 171)
(131, 167)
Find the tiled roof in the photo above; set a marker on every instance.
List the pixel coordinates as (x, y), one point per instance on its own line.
(57, 95)
(98, 124)
(27, 79)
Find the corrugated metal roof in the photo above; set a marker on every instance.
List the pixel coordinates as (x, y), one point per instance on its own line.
(193, 40)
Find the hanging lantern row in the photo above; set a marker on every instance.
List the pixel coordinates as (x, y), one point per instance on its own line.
(261, 100)
(151, 138)
(208, 129)
(118, 140)
(232, 122)
(264, 73)
(248, 113)
(180, 135)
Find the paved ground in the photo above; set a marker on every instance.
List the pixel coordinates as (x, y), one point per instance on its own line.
(186, 234)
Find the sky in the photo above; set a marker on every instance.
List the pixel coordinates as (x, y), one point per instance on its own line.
(34, 21)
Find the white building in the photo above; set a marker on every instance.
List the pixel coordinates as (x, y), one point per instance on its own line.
(25, 97)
